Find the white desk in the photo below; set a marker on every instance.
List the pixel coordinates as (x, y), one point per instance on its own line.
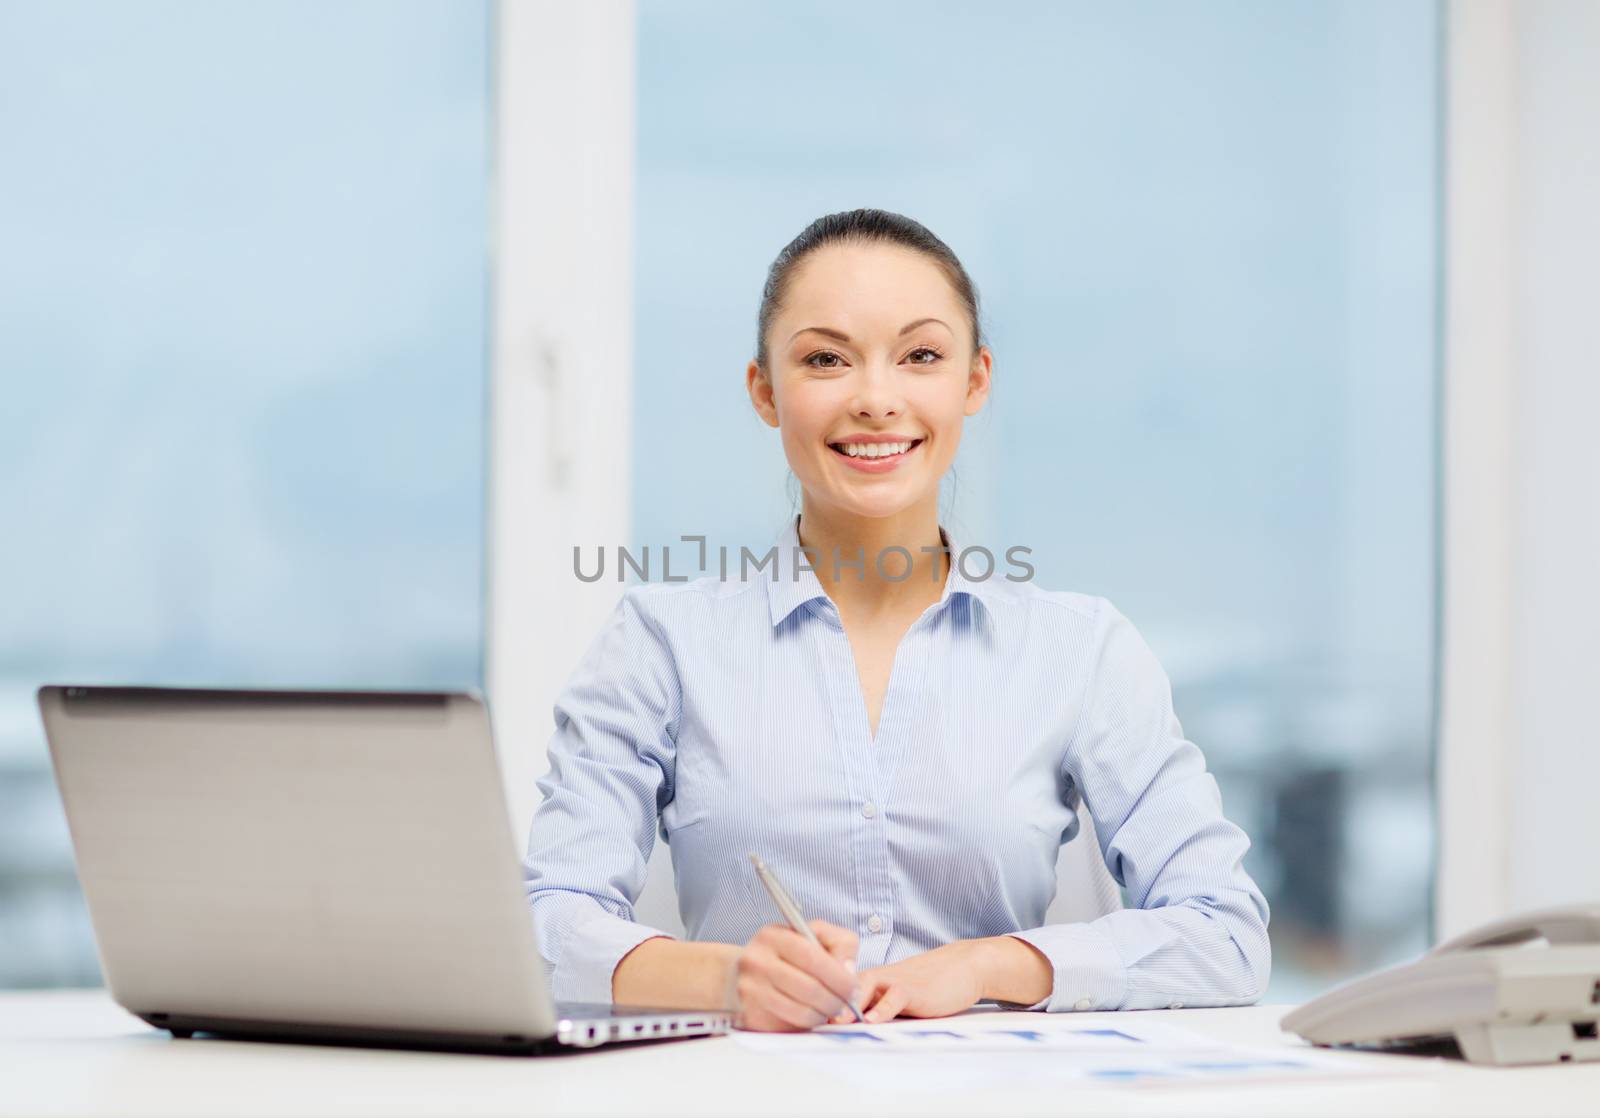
(72, 1053)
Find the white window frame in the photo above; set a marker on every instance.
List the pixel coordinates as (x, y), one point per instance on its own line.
(1479, 406)
(561, 384)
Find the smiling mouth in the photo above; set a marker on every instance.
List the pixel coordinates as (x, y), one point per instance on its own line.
(874, 452)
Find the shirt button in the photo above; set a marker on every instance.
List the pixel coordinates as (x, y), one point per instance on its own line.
(874, 923)
(869, 809)
(1175, 1005)
(1084, 1003)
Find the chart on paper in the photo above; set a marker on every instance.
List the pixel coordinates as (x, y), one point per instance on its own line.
(1030, 1049)
(989, 1032)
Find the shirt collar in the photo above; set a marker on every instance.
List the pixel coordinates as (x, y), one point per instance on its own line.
(790, 585)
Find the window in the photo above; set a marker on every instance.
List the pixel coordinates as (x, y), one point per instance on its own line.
(245, 333)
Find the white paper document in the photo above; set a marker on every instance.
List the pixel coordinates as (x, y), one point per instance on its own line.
(1028, 1049)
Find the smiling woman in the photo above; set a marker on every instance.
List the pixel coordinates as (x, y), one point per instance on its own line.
(911, 751)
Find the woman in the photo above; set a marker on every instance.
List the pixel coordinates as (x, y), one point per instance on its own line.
(905, 741)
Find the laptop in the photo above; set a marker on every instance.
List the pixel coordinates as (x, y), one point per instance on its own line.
(313, 865)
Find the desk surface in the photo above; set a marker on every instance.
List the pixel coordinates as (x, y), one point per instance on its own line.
(75, 1052)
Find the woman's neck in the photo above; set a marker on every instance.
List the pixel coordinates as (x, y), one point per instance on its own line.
(864, 590)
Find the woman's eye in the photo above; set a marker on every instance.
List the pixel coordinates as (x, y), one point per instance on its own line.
(824, 360)
(922, 355)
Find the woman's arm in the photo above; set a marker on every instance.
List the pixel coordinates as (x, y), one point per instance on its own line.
(612, 760)
(777, 981)
(955, 977)
(1199, 934)
(612, 763)
(674, 974)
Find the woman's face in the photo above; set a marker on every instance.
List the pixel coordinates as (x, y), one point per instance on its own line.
(871, 350)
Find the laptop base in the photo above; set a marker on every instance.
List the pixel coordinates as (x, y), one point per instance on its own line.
(576, 1033)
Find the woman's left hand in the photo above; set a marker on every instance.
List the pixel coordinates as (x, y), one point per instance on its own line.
(954, 977)
(936, 983)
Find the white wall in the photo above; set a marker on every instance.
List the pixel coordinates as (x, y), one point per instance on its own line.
(1520, 747)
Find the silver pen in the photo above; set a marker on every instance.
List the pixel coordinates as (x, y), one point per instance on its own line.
(791, 913)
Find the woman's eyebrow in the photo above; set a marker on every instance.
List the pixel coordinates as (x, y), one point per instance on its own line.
(839, 334)
(843, 337)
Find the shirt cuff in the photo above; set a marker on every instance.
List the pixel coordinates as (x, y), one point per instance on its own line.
(1088, 969)
(590, 957)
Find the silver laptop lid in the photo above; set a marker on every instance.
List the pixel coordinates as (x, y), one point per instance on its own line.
(320, 857)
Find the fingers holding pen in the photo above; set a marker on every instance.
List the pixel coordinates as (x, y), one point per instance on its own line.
(804, 989)
(830, 966)
(810, 962)
(841, 943)
(783, 981)
(763, 1007)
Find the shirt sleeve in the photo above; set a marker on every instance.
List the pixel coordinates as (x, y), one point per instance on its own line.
(1199, 934)
(611, 766)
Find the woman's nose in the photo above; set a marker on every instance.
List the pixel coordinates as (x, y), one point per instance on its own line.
(877, 391)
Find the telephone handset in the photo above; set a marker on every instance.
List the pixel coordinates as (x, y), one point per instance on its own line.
(1576, 924)
(1522, 990)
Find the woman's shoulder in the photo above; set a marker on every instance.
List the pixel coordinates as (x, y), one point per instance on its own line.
(1092, 626)
(1068, 620)
(1035, 602)
(680, 602)
(690, 590)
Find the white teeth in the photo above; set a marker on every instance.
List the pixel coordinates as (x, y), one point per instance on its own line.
(874, 450)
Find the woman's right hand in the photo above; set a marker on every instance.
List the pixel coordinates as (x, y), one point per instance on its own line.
(780, 982)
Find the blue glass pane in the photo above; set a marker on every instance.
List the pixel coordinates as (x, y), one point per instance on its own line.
(242, 311)
(1206, 239)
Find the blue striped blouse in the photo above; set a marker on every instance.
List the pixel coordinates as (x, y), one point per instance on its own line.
(727, 714)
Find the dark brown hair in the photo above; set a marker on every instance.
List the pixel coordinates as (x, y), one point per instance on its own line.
(862, 227)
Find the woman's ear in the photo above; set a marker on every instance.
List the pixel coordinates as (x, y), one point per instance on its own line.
(762, 396)
(978, 380)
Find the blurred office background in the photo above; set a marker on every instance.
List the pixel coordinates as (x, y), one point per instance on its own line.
(248, 311)
(243, 313)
